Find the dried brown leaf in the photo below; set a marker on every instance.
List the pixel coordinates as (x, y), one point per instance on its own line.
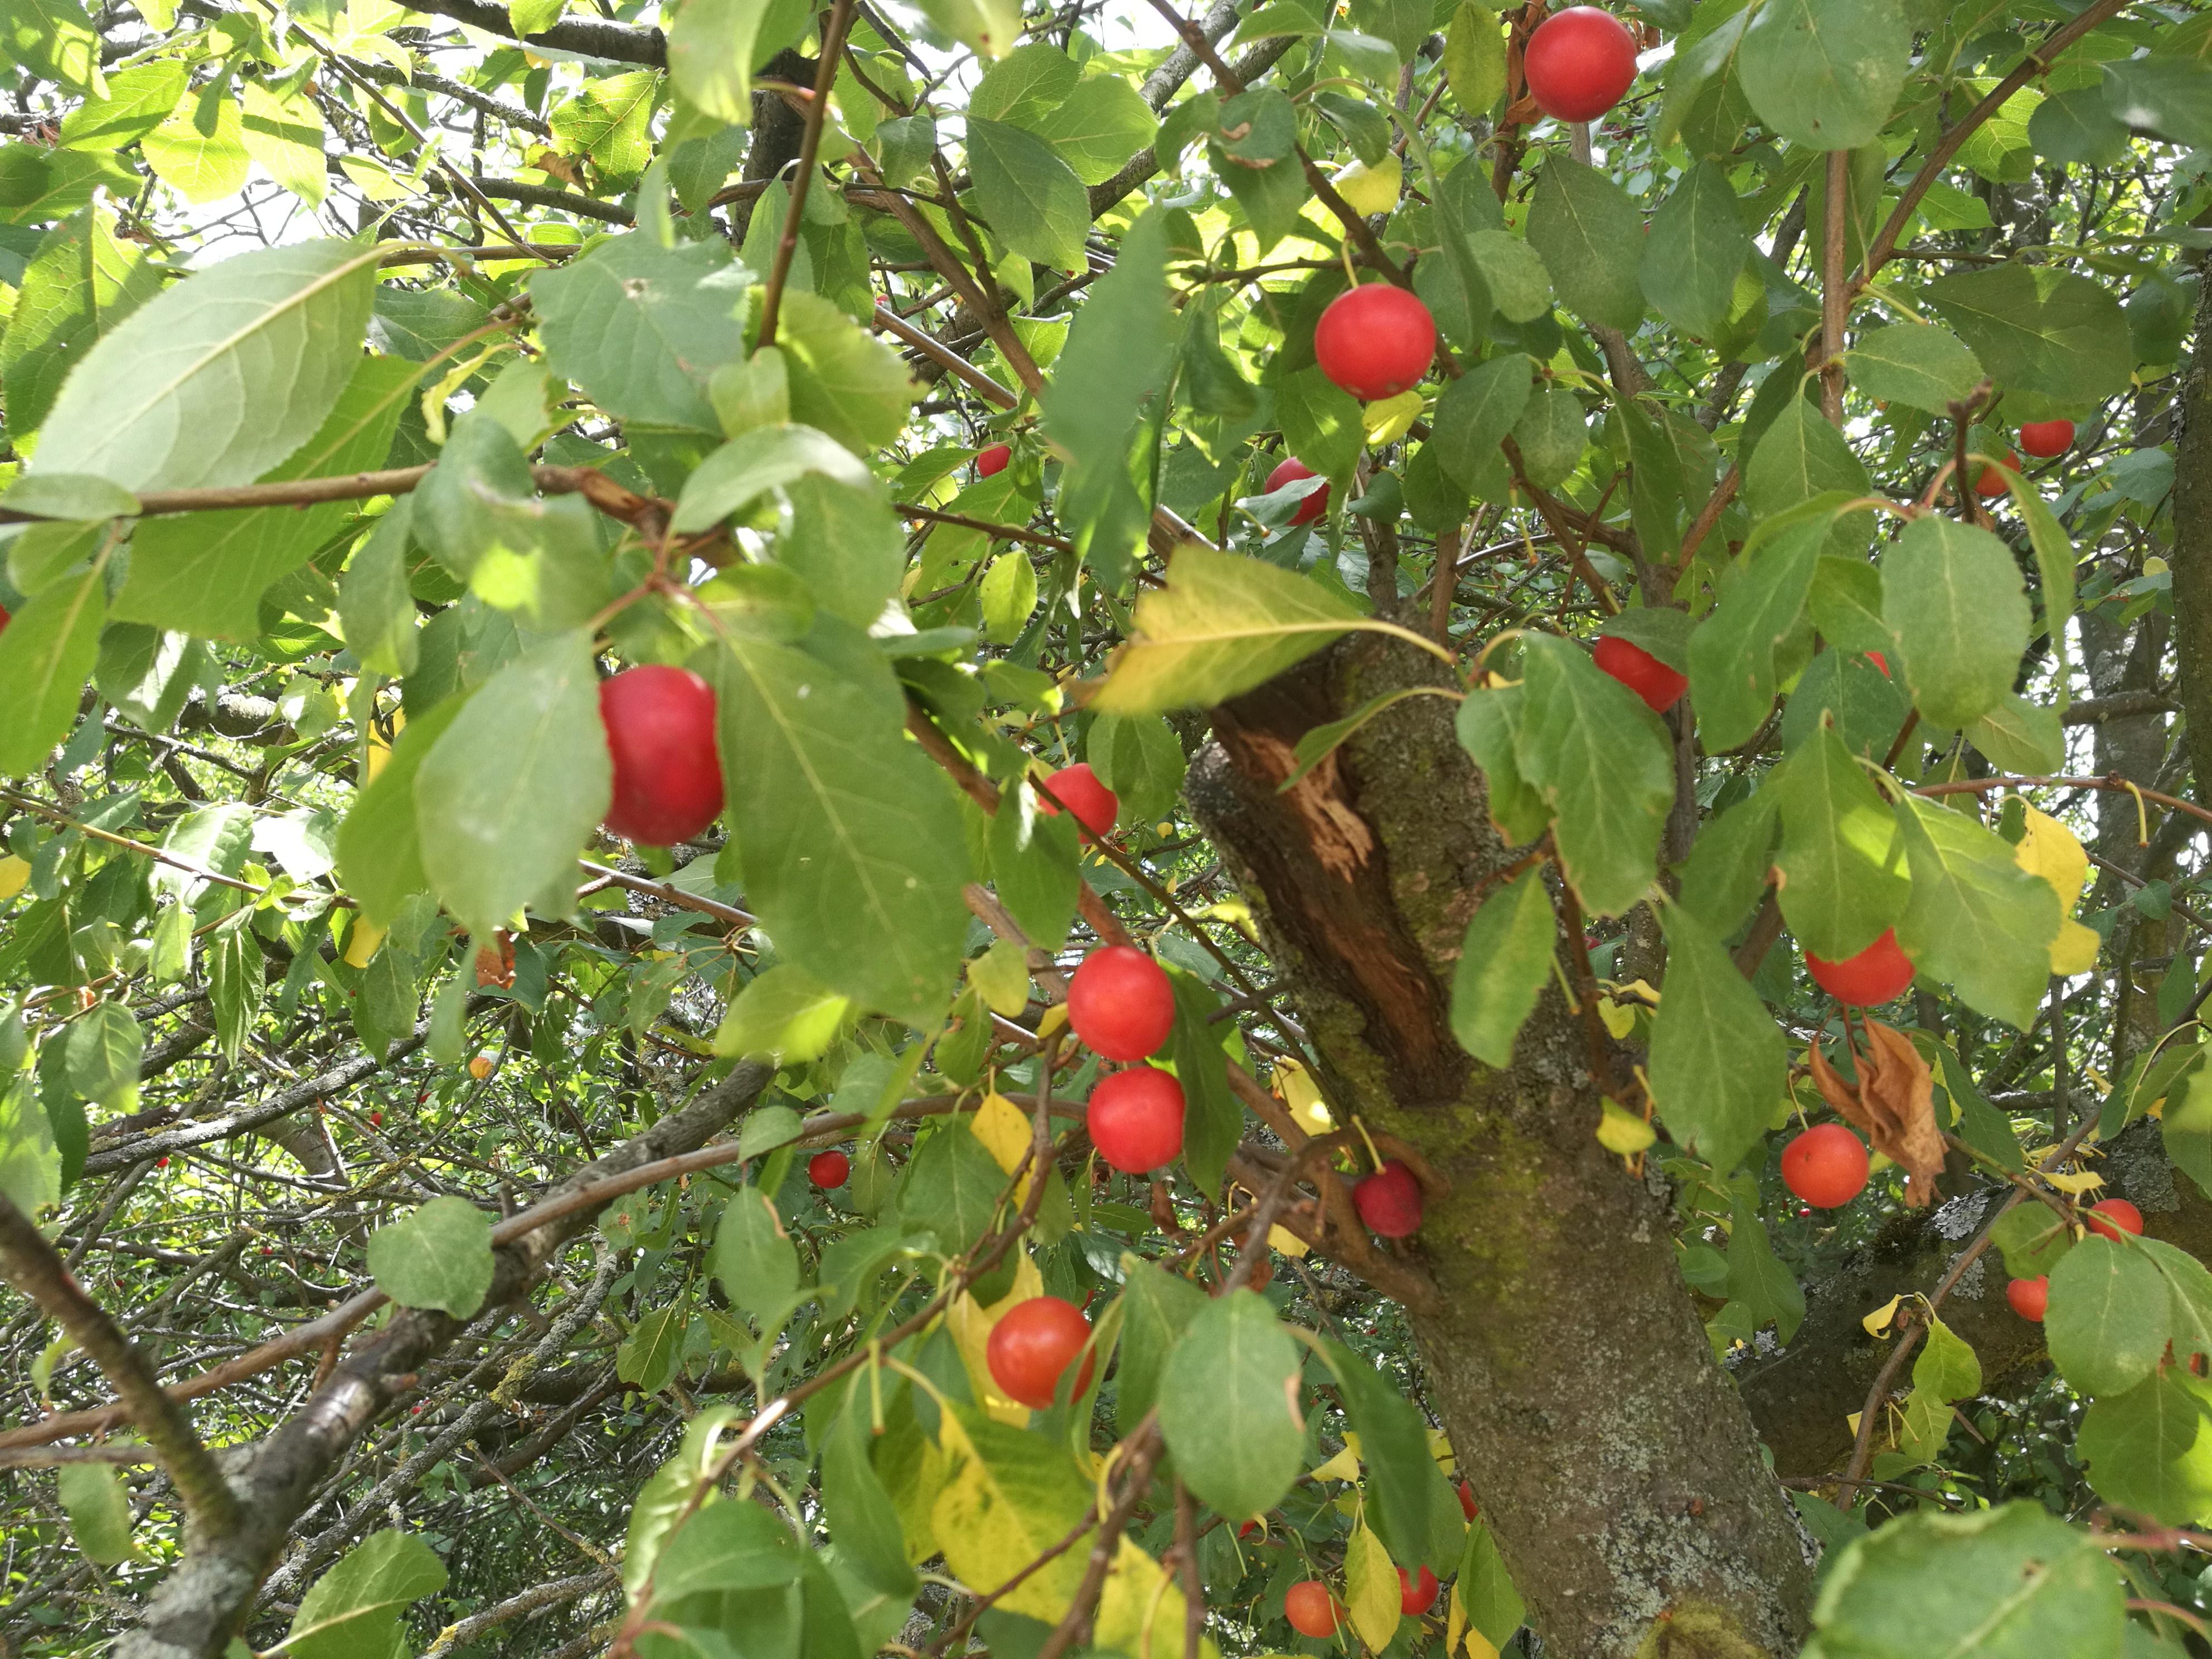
(1894, 1105)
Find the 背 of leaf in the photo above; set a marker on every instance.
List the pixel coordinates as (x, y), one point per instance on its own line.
(988, 829)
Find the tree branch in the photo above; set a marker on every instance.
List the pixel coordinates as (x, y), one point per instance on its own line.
(615, 42)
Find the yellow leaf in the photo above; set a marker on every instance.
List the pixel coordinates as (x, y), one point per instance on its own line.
(1369, 191)
(1005, 1503)
(366, 936)
(1620, 1130)
(1371, 1592)
(1004, 1129)
(2073, 1185)
(1477, 1645)
(1388, 419)
(1302, 1096)
(2049, 850)
(2075, 949)
(1455, 1621)
(1878, 1321)
(1141, 1609)
(1052, 1019)
(1440, 1448)
(971, 1323)
(15, 876)
(1619, 1018)
(1345, 1465)
(1280, 1238)
(1002, 975)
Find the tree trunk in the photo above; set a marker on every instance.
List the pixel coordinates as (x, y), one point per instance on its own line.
(2192, 552)
(1612, 1457)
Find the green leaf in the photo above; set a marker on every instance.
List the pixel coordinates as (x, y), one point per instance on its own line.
(2185, 1126)
(1033, 865)
(952, 1188)
(1475, 412)
(30, 1161)
(2109, 1319)
(1140, 759)
(81, 282)
(2054, 554)
(380, 848)
(1732, 672)
(2032, 1239)
(237, 977)
(2020, 735)
(218, 380)
(1602, 761)
(608, 121)
(1729, 863)
(2189, 1296)
(438, 1255)
(1008, 593)
(2149, 1450)
(507, 796)
(1719, 1065)
(1223, 624)
(2010, 1582)
(1954, 599)
(1697, 246)
(1842, 883)
(1485, 1589)
(767, 457)
(1228, 1406)
(352, 1612)
(1826, 73)
(2077, 126)
(991, 27)
(844, 381)
(2169, 95)
(1489, 727)
(46, 657)
(1591, 238)
(1916, 364)
(1026, 86)
(1032, 198)
(204, 573)
(711, 55)
(1475, 59)
(199, 150)
(1504, 963)
(375, 606)
(755, 1262)
(784, 1011)
(1156, 1307)
(284, 137)
(1403, 1483)
(98, 1511)
(853, 854)
(138, 100)
(1799, 456)
(55, 40)
(1976, 918)
(862, 1516)
(478, 512)
(2037, 328)
(1321, 422)
(727, 1546)
(1946, 1366)
(648, 1357)
(1097, 127)
(641, 328)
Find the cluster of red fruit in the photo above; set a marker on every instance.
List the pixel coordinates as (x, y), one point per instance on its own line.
(1314, 1610)
(2030, 1298)
(2041, 439)
(1119, 1003)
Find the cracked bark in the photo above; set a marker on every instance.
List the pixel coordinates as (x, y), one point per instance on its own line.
(1615, 1461)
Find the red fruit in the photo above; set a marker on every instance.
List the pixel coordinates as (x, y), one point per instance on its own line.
(2043, 439)
(1660, 686)
(1248, 1529)
(161, 1163)
(1136, 1120)
(1390, 1200)
(1417, 1596)
(2029, 1297)
(1826, 1165)
(660, 731)
(4, 616)
(1311, 1610)
(1467, 1505)
(1876, 974)
(1375, 342)
(376, 1120)
(2113, 1216)
(1989, 482)
(993, 461)
(829, 1169)
(1879, 661)
(1120, 1004)
(1094, 804)
(1033, 1344)
(1578, 64)
(1289, 472)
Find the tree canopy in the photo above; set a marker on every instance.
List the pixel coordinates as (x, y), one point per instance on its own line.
(961, 830)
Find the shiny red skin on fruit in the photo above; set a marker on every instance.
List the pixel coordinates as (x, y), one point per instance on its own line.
(1876, 974)
(993, 461)
(1311, 1610)
(659, 723)
(1390, 1200)
(2029, 1297)
(4, 616)
(1660, 686)
(1136, 1120)
(376, 1120)
(1989, 482)
(1289, 472)
(1120, 1004)
(2113, 1216)
(2043, 439)
(1416, 1595)
(1032, 1344)
(1825, 1166)
(829, 1169)
(1248, 1529)
(1094, 804)
(1579, 62)
(1467, 1503)
(1375, 342)
(1879, 661)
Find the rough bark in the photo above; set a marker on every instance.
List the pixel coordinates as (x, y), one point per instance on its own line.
(2192, 554)
(1615, 1461)
(778, 132)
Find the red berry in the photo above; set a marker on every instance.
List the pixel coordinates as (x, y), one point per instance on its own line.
(1826, 1165)
(1120, 1004)
(993, 461)
(1467, 1505)
(1989, 482)
(1311, 1610)
(1136, 1120)
(1879, 661)
(2113, 1216)
(2043, 439)
(1289, 472)
(1875, 975)
(1375, 342)
(1417, 1596)
(2029, 1297)
(1660, 686)
(1032, 1344)
(4, 616)
(829, 1169)
(1094, 804)
(161, 1163)
(376, 1120)
(1390, 1200)
(668, 776)
(1578, 64)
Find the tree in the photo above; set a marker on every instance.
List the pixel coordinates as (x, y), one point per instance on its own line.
(1782, 577)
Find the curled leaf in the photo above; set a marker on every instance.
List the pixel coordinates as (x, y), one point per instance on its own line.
(1894, 1104)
